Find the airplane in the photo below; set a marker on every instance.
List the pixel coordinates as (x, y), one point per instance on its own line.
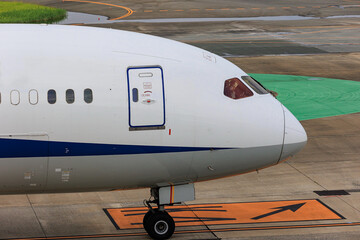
(94, 109)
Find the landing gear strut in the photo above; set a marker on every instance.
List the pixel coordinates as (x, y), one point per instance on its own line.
(157, 222)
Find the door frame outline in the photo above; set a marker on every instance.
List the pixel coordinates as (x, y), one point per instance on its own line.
(163, 94)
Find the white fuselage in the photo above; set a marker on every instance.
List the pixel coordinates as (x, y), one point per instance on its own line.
(182, 128)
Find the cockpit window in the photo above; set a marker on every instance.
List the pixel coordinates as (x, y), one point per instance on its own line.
(235, 89)
(255, 85)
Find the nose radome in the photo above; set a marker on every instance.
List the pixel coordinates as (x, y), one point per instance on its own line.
(295, 137)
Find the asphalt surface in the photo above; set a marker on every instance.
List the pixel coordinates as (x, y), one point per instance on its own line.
(330, 161)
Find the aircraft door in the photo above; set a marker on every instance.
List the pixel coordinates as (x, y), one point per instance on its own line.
(146, 97)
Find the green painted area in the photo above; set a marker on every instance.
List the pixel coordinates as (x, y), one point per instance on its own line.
(313, 97)
(17, 12)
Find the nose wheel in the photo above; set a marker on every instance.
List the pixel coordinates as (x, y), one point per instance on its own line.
(158, 224)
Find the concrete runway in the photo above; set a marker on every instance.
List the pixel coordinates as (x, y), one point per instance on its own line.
(320, 47)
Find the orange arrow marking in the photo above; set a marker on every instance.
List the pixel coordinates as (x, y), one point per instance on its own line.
(230, 213)
(293, 208)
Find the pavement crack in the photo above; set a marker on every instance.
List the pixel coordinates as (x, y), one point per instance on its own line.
(306, 176)
(37, 218)
(356, 209)
(206, 226)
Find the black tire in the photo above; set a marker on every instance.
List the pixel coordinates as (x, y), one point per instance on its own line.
(147, 216)
(160, 225)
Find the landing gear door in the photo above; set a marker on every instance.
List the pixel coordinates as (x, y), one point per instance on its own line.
(146, 97)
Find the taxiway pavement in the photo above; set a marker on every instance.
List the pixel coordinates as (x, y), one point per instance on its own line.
(320, 47)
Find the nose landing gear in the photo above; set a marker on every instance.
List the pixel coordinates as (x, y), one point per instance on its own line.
(157, 222)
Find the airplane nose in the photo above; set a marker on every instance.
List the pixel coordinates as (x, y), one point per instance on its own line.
(295, 137)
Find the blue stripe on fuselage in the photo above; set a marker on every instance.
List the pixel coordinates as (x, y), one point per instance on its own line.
(15, 148)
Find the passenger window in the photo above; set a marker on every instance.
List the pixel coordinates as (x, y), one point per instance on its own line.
(88, 95)
(51, 96)
(70, 96)
(255, 85)
(235, 89)
(33, 97)
(15, 97)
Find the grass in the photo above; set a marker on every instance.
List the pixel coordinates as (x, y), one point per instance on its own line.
(17, 12)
